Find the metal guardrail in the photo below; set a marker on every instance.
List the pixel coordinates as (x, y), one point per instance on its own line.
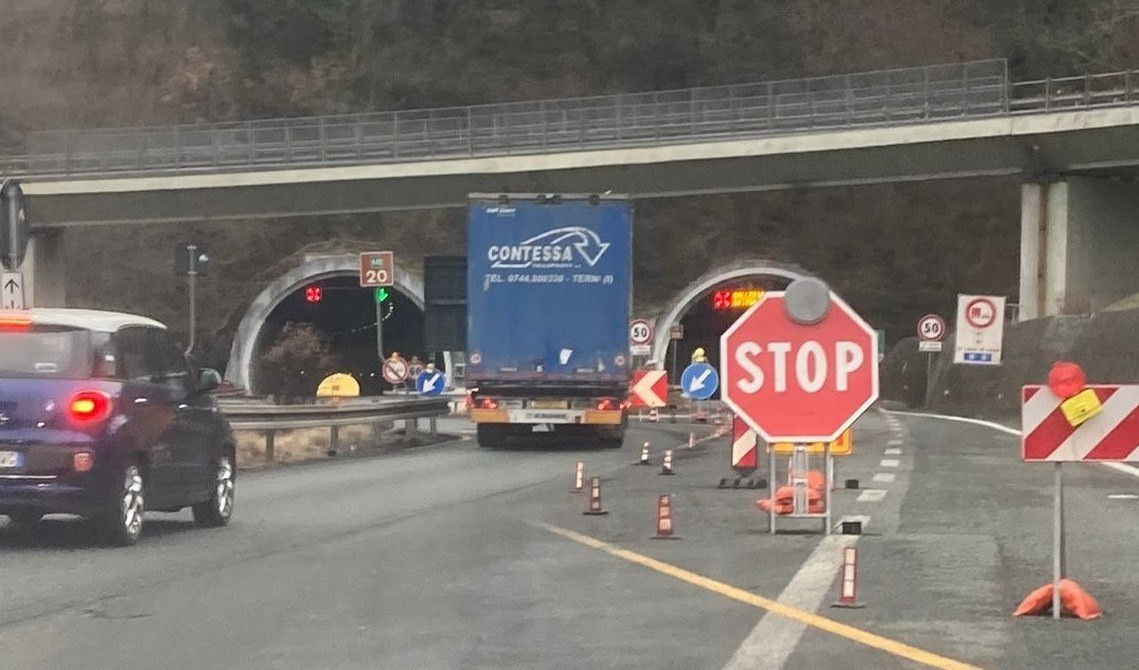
(887, 97)
(284, 417)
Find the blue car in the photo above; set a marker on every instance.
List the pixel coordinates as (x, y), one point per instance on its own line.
(101, 416)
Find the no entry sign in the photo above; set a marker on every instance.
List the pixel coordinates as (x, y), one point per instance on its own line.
(793, 381)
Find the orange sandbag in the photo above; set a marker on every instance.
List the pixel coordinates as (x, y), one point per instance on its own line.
(1074, 600)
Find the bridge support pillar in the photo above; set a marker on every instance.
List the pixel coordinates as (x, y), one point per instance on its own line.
(1079, 239)
(44, 271)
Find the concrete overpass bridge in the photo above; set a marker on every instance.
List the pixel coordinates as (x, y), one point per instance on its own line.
(1073, 141)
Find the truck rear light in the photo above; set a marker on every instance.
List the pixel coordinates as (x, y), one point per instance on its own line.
(487, 403)
(14, 322)
(607, 404)
(82, 461)
(90, 406)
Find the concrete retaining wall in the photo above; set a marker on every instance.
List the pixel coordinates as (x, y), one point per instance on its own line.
(1106, 344)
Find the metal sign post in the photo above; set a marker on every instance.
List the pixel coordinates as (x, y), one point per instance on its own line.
(192, 260)
(1059, 566)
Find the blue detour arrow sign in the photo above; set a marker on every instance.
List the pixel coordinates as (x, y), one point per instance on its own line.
(699, 381)
(430, 382)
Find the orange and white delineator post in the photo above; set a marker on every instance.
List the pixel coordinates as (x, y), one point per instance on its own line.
(645, 457)
(666, 464)
(848, 579)
(665, 530)
(578, 478)
(594, 508)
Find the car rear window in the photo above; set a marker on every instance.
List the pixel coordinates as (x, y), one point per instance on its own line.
(47, 351)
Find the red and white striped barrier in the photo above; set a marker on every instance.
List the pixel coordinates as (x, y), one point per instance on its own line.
(745, 447)
(664, 518)
(1111, 435)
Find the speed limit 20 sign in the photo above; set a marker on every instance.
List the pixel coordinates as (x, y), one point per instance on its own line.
(640, 337)
(377, 268)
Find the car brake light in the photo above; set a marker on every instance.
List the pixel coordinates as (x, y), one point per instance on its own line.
(83, 461)
(90, 406)
(14, 322)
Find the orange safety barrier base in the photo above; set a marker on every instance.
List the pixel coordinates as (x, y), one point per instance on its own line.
(1074, 600)
(783, 500)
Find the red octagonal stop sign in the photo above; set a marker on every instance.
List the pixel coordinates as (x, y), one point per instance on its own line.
(799, 383)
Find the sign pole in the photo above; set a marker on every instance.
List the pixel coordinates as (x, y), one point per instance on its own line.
(771, 485)
(379, 330)
(192, 249)
(1057, 538)
(827, 468)
(928, 377)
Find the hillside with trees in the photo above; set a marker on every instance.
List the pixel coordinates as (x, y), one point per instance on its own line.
(91, 63)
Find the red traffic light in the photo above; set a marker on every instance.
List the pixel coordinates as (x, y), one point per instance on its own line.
(314, 294)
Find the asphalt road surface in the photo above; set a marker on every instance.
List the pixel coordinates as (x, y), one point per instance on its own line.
(455, 557)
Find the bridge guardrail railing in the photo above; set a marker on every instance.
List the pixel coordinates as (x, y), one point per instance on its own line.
(885, 97)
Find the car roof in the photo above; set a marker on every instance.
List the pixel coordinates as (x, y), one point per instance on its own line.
(88, 319)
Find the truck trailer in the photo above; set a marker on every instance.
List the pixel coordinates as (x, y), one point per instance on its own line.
(549, 293)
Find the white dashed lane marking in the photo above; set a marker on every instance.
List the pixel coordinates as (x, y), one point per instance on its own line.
(890, 463)
(893, 452)
(885, 477)
(872, 495)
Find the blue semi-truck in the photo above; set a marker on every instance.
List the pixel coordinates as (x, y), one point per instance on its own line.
(549, 292)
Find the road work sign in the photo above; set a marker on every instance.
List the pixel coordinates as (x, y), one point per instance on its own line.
(843, 446)
(799, 366)
(1110, 435)
(980, 329)
(650, 389)
(699, 381)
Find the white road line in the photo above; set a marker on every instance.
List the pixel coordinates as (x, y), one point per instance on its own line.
(884, 477)
(895, 443)
(775, 637)
(871, 495)
(893, 452)
(889, 463)
(1118, 467)
(961, 419)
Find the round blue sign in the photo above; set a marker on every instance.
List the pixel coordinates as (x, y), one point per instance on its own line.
(430, 382)
(699, 381)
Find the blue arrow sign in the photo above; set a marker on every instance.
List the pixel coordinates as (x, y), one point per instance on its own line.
(430, 382)
(699, 381)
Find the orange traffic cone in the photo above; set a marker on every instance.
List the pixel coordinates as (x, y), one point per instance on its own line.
(664, 519)
(1074, 600)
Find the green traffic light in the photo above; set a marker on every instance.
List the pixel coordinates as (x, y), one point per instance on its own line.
(381, 295)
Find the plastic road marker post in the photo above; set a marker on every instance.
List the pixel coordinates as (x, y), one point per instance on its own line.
(666, 464)
(578, 478)
(848, 576)
(665, 529)
(594, 508)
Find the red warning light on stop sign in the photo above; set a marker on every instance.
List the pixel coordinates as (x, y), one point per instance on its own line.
(799, 383)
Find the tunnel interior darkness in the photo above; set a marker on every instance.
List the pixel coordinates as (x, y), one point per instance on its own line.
(710, 314)
(346, 313)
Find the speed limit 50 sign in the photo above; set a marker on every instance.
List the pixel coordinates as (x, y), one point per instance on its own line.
(640, 337)
(931, 328)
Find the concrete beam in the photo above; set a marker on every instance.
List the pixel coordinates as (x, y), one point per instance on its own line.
(1088, 140)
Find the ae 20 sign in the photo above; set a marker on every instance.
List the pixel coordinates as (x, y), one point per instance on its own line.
(799, 370)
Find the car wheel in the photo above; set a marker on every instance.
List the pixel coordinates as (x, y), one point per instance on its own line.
(26, 518)
(122, 524)
(219, 508)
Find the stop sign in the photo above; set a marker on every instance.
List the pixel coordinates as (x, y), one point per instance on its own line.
(794, 382)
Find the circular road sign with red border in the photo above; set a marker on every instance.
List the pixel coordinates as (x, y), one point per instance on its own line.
(931, 328)
(395, 370)
(980, 312)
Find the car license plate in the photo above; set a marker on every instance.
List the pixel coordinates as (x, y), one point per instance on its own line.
(549, 404)
(10, 459)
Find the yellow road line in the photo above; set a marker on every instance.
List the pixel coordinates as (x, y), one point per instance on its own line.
(867, 638)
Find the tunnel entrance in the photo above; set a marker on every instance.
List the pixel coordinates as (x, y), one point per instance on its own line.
(343, 315)
(710, 313)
